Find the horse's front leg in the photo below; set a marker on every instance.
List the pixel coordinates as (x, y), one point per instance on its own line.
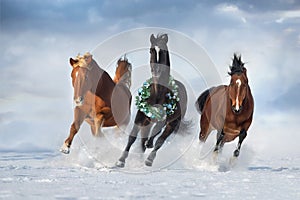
(91, 122)
(170, 127)
(156, 130)
(242, 136)
(79, 116)
(145, 130)
(131, 140)
(219, 144)
(104, 114)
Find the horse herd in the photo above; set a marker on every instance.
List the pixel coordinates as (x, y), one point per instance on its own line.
(161, 102)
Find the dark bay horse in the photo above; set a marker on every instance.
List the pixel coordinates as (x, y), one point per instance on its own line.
(158, 108)
(100, 101)
(227, 109)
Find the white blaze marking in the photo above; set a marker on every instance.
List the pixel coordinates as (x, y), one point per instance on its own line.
(237, 103)
(157, 52)
(76, 74)
(239, 82)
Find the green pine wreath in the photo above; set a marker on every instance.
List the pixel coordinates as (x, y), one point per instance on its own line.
(157, 112)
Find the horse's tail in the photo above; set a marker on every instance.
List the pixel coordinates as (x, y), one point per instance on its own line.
(202, 99)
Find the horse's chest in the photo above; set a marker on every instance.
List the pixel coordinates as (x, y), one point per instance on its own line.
(157, 99)
(232, 127)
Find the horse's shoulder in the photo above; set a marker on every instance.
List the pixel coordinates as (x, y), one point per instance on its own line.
(218, 90)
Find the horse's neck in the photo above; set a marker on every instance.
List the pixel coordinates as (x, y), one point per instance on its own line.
(249, 97)
(125, 79)
(104, 85)
(158, 92)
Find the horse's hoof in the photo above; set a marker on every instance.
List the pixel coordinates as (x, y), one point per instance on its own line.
(236, 153)
(149, 145)
(65, 149)
(148, 162)
(120, 164)
(215, 156)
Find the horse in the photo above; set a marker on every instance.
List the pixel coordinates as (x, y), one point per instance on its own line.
(227, 108)
(161, 103)
(99, 100)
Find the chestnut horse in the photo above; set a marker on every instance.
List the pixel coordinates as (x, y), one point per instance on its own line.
(227, 109)
(99, 100)
(159, 92)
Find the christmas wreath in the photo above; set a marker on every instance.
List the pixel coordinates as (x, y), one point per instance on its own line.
(157, 112)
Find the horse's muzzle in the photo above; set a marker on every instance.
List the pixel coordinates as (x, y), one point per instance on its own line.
(79, 101)
(236, 111)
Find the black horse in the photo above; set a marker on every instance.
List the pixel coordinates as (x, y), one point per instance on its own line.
(164, 106)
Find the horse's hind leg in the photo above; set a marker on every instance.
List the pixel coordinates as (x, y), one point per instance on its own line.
(131, 140)
(170, 127)
(78, 119)
(242, 136)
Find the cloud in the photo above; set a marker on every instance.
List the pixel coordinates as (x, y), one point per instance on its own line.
(6, 117)
(227, 8)
(288, 15)
(93, 16)
(289, 100)
(231, 11)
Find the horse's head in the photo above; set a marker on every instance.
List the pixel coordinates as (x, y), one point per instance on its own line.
(123, 72)
(160, 41)
(81, 80)
(160, 69)
(238, 84)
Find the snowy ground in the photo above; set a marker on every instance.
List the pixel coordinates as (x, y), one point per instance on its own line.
(177, 173)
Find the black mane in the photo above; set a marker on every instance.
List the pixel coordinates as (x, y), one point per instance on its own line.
(237, 66)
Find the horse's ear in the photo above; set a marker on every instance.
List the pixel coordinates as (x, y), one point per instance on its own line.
(72, 62)
(165, 38)
(152, 39)
(120, 59)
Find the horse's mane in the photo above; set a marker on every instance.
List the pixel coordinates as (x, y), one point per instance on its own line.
(123, 59)
(237, 66)
(125, 79)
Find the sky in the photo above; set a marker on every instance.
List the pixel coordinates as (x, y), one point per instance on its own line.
(38, 37)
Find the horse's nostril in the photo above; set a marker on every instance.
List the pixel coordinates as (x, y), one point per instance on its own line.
(78, 101)
(236, 110)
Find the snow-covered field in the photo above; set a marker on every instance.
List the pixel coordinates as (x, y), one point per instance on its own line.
(178, 172)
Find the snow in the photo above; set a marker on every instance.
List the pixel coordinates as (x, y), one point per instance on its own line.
(177, 172)
(43, 175)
